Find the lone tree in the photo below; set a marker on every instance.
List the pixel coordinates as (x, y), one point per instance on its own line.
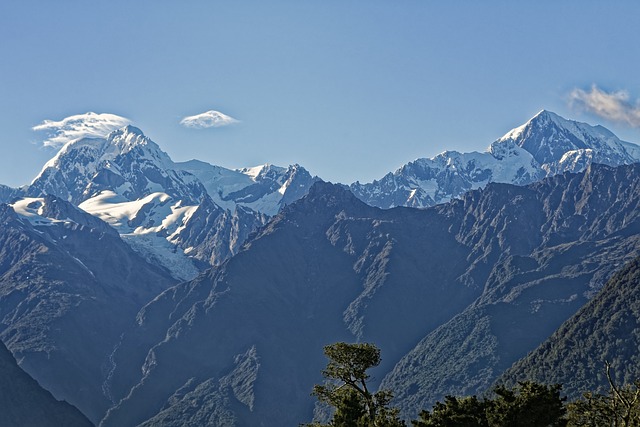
(347, 389)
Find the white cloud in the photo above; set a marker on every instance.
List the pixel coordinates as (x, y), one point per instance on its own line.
(208, 119)
(613, 106)
(89, 125)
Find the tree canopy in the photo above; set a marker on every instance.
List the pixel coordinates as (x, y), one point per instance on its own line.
(527, 405)
(348, 391)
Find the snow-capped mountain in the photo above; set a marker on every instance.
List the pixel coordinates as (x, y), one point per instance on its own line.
(125, 162)
(164, 210)
(546, 145)
(264, 188)
(189, 215)
(469, 286)
(549, 138)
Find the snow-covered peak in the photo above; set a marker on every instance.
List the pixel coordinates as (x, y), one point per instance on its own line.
(162, 209)
(547, 136)
(547, 144)
(79, 126)
(130, 138)
(265, 188)
(125, 161)
(257, 173)
(86, 153)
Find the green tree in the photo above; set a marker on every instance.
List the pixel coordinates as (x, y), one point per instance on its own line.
(455, 412)
(620, 408)
(593, 410)
(527, 405)
(347, 389)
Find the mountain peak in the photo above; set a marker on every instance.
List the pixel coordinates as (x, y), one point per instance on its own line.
(542, 118)
(127, 137)
(545, 117)
(258, 172)
(324, 195)
(128, 129)
(545, 114)
(549, 137)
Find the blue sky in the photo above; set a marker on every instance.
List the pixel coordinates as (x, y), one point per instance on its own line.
(348, 89)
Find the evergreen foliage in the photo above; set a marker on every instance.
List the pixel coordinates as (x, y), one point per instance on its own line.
(455, 412)
(619, 408)
(347, 389)
(527, 405)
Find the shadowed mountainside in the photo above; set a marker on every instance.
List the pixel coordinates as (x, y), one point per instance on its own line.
(453, 295)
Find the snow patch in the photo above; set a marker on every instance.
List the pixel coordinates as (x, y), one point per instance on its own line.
(31, 209)
(158, 250)
(148, 225)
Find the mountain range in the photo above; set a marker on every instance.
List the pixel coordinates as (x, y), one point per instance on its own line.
(476, 283)
(187, 216)
(153, 292)
(544, 146)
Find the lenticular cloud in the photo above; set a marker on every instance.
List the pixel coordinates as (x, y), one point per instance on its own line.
(89, 125)
(208, 119)
(614, 106)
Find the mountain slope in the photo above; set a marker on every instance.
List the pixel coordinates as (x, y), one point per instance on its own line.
(24, 403)
(544, 146)
(7, 194)
(69, 287)
(322, 270)
(605, 329)
(580, 229)
(477, 283)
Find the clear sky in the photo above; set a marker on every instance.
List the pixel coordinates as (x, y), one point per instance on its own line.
(348, 89)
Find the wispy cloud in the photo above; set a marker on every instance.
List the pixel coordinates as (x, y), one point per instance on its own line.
(613, 106)
(89, 125)
(208, 119)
